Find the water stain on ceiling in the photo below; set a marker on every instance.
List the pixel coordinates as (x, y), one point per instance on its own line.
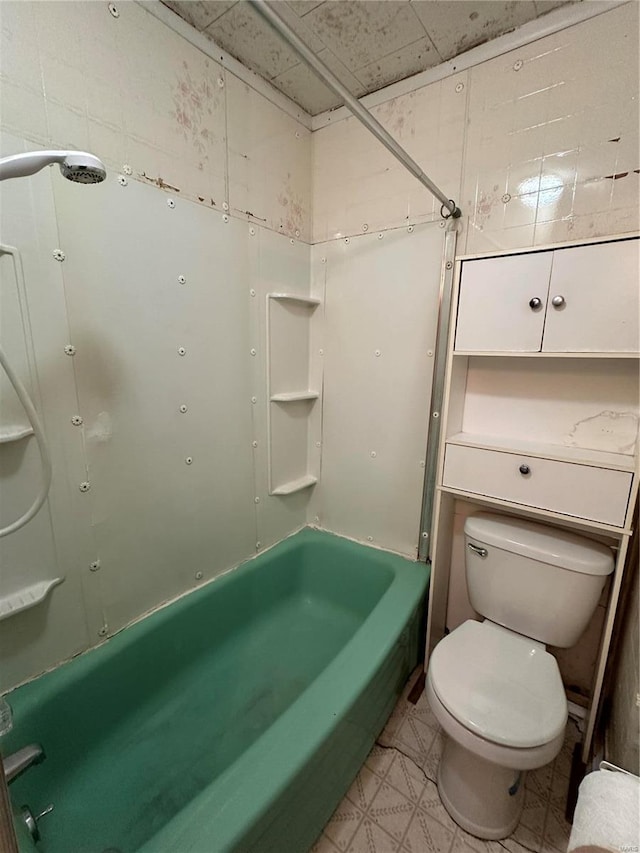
(368, 44)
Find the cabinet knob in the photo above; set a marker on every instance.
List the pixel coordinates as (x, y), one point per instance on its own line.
(558, 301)
(524, 470)
(535, 303)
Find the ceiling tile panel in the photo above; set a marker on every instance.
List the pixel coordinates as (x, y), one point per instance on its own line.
(398, 65)
(358, 32)
(200, 13)
(308, 91)
(302, 7)
(458, 25)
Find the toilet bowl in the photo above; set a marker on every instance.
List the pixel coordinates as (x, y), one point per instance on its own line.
(492, 686)
(499, 699)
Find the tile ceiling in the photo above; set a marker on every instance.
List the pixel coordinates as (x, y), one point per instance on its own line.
(368, 44)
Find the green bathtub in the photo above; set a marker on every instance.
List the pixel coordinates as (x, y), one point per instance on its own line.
(232, 720)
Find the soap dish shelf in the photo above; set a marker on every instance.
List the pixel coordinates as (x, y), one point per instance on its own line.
(28, 596)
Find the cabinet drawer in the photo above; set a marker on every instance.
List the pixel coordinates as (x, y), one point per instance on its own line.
(583, 491)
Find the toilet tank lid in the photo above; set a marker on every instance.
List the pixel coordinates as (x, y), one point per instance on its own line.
(540, 542)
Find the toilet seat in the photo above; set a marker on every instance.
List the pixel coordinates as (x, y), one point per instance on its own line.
(500, 686)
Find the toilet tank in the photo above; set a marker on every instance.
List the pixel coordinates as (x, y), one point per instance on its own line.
(537, 580)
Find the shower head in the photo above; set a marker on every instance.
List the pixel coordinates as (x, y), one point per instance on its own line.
(77, 166)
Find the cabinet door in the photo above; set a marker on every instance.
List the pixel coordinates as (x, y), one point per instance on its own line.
(502, 303)
(596, 288)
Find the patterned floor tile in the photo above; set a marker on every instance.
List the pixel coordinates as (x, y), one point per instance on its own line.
(364, 788)
(371, 838)
(431, 804)
(426, 835)
(463, 842)
(415, 738)
(534, 813)
(406, 777)
(539, 781)
(391, 811)
(379, 760)
(343, 824)
(556, 831)
(324, 845)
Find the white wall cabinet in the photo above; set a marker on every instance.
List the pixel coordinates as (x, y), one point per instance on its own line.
(541, 406)
(580, 299)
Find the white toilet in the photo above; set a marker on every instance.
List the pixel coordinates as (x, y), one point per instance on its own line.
(492, 686)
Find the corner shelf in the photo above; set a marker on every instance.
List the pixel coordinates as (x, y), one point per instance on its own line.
(294, 396)
(14, 433)
(296, 485)
(25, 598)
(309, 301)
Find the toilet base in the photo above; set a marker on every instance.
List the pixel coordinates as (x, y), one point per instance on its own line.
(476, 792)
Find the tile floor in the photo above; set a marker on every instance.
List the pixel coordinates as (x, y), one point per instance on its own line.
(393, 804)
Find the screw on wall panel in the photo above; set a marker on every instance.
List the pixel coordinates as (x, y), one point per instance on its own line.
(436, 414)
(114, 10)
(103, 631)
(347, 240)
(292, 241)
(298, 134)
(252, 231)
(225, 205)
(442, 223)
(198, 576)
(321, 352)
(517, 65)
(94, 566)
(84, 487)
(373, 454)
(181, 279)
(225, 218)
(448, 265)
(297, 233)
(122, 181)
(318, 444)
(380, 236)
(76, 420)
(70, 349)
(377, 353)
(254, 352)
(506, 198)
(256, 500)
(220, 82)
(316, 518)
(425, 535)
(188, 460)
(127, 169)
(182, 351)
(254, 399)
(59, 255)
(459, 87)
(430, 353)
(323, 260)
(410, 229)
(183, 409)
(369, 538)
(422, 463)
(258, 544)
(170, 202)
(365, 227)
(254, 444)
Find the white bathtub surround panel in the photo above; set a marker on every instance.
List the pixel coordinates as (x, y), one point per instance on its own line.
(58, 542)
(172, 491)
(358, 183)
(549, 127)
(276, 263)
(393, 803)
(381, 299)
(265, 186)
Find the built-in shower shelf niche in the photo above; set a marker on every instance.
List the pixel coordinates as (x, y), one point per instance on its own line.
(14, 433)
(290, 391)
(25, 598)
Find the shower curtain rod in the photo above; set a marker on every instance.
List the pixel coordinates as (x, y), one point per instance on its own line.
(361, 113)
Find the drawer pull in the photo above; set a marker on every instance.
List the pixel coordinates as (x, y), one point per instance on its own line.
(535, 303)
(557, 301)
(524, 470)
(481, 552)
